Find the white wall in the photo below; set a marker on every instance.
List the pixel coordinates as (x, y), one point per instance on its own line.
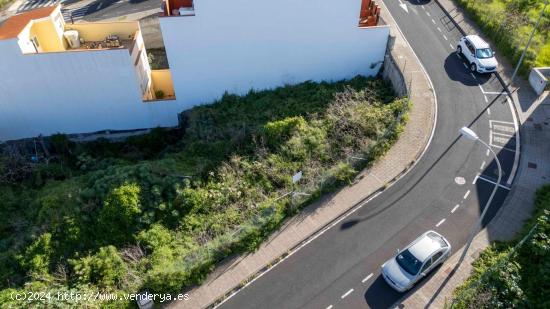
(229, 45)
(242, 44)
(73, 92)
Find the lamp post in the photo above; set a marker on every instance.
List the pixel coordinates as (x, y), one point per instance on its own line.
(471, 135)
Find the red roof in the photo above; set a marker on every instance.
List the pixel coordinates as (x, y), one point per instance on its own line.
(15, 24)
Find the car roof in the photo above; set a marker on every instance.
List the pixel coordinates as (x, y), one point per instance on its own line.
(424, 246)
(477, 41)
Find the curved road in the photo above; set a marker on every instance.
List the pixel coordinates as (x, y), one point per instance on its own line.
(341, 268)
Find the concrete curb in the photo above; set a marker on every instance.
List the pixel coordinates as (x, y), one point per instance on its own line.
(416, 137)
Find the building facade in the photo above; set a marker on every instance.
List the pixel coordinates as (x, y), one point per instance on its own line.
(78, 78)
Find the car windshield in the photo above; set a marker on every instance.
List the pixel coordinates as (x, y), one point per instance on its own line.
(408, 262)
(484, 53)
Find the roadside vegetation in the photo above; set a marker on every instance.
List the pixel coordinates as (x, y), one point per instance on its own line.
(157, 211)
(519, 280)
(508, 23)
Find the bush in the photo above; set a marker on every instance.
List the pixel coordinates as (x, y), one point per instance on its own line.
(105, 269)
(165, 207)
(518, 281)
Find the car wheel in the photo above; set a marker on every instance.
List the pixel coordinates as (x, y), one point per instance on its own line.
(459, 50)
(473, 67)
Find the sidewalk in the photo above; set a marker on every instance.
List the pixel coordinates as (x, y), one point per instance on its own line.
(298, 231)
(533, 172)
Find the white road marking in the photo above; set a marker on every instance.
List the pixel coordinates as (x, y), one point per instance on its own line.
(455, 208)
(478, 176)
(452, 47)
(433, 21)
(423, 7)
(487, 101)
(482, 165)
(428, 13)
(440, 222)
(460, 180)
(499, 121)
(487, 152)
(445, 37)
(403, 6)
(329, 307)
(346, 294)
(367, 278)
(465, 65)
(438, 29)
(494, 92)
(473, 76)
(481, 88)
(466, 195)
(516, 157)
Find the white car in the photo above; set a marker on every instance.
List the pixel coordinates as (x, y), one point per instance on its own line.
(402, 271)
(478, 53)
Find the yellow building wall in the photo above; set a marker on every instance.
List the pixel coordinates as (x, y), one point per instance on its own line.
(162, 80)
(99, 31)
(48, 37)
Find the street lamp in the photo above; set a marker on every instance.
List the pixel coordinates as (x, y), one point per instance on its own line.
(471, 135)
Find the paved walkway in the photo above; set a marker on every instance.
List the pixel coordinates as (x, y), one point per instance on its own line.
(235, 272)
(533, 172)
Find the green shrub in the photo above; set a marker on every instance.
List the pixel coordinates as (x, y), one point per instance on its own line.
(120, 212)
(105, 269)
(517, 281)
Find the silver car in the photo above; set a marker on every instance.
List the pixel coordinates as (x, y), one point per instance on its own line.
(402, 271)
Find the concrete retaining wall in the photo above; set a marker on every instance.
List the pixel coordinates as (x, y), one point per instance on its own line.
(538, 78)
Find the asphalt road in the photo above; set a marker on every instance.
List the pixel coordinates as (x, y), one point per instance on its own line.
(341, 268)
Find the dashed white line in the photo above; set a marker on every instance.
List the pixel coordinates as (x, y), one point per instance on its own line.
(445, 37)
(440, 222)
(482, 165)
(428, 13)
(438, 29)
(346, 294)
(329, 307)
(473, 76)
(423, 8)
(487, 101)
(367, 278)
(465, 65)
(455, 208)
(433, 21)
(452, 47)
(487, 152)
(466, 194)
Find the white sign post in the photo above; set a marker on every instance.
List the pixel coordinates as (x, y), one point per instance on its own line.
(297, 177)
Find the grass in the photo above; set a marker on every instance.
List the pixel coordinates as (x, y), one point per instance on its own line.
(509, 23)
(167, 206)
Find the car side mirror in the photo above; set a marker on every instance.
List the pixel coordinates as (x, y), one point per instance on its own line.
(494, 53)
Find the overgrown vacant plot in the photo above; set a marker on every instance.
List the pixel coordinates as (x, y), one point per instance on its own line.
(158, 211)
(509, 23)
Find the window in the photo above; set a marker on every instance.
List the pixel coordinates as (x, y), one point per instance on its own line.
(484, 53)
(436, 256)
(408, 262)
(427, 265)
(470, 47)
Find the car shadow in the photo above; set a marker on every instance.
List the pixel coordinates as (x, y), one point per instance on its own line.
(457, 70)
(381, 295)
